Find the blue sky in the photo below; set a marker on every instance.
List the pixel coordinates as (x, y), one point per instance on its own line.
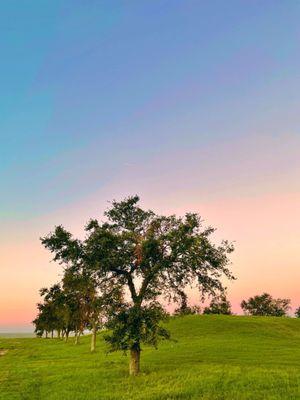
(87, 87)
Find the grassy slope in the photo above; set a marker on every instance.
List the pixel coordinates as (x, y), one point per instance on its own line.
(215, 357)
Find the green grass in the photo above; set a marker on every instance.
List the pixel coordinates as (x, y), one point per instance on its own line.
(213, 357)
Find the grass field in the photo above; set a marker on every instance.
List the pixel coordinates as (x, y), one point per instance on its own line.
(213, 357)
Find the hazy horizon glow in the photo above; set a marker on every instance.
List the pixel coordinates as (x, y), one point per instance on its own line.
(194, 106)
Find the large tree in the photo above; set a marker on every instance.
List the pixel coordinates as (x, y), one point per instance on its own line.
(151, 257)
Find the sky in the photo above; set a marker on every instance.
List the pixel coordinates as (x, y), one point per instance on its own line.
(193, 105)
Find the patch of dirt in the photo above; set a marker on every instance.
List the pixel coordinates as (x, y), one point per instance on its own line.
(3, 352)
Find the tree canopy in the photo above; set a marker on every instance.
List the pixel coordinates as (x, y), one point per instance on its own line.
(266, 305)
(218, 305)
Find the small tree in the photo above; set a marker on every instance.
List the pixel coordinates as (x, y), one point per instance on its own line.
(41, 322)
(75, 306)
(218, 305)
(50, 316)
(266, 305)
(149, 257)
(99, 299)
(297, 313)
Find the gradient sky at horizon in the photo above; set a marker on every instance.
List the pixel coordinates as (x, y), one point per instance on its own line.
(194, 105)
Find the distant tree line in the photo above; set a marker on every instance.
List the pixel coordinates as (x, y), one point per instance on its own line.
(259, 305)
(218, 305)
(76, 304)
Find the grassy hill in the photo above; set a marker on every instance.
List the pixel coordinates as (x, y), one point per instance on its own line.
(213, 357)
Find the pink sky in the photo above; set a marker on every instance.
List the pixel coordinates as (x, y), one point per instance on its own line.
(264, 227)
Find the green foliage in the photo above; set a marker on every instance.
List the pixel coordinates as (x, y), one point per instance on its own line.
(266, 305)
(218, 305)
(211, 358)
(133, 325)
(52, 312)
(150, 257)
(297, 313)
(165, 254)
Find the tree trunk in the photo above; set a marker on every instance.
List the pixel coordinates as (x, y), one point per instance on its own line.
(134, 364)
(94, 336)
(46, 334)
(66, 336)
(76, 337)
(58, 333)
(52, 334)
